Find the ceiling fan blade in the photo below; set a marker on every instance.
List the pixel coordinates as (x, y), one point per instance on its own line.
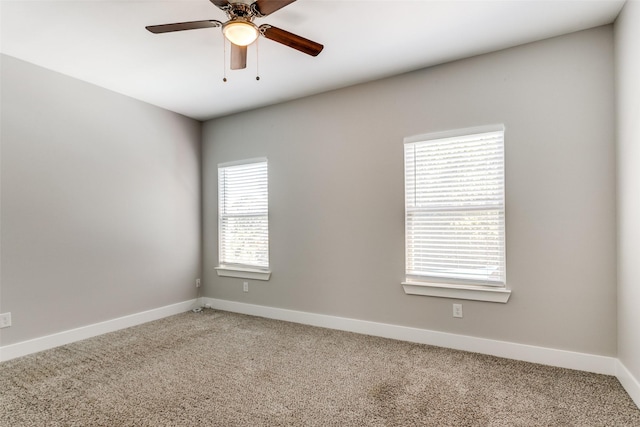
(289, 39)
(267, 7)
(238, 57)
(181, 26)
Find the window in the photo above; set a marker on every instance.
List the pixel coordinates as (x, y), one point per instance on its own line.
(454, 214)
(243, 219)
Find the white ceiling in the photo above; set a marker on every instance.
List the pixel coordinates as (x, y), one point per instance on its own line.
(105, 43)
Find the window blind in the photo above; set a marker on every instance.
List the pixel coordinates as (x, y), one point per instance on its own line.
(243, 215)
(454, 197)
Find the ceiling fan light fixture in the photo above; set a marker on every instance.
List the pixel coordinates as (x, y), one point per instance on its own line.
(240, 32)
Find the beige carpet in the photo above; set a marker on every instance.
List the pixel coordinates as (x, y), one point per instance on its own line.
(222, 369)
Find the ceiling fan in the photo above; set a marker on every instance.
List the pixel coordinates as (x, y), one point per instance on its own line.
(240, 30)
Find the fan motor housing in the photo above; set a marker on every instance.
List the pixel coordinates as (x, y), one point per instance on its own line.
(240, 10)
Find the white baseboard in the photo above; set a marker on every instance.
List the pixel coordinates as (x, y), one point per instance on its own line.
(528, 353)
(35, 345)
(629, 382)
(547, 356)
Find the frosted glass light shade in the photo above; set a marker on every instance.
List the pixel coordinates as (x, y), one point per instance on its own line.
(240, 33)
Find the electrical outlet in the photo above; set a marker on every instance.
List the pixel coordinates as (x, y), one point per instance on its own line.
(457, 310)
(245, 286)
(197, 283)
(5, 320)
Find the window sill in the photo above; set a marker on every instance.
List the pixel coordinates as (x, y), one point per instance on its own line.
(467, 292)
(244, 273)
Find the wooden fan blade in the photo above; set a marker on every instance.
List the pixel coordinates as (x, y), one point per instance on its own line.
(222, 4)
(289, 39)
(238, 57)
(181, 26)
(267, 7)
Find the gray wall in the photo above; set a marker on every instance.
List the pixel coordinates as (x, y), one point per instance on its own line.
(628, 127)
(100, 204)
(336, 193)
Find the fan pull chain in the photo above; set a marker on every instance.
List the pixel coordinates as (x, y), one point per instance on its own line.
(224, 59)
(257, 60)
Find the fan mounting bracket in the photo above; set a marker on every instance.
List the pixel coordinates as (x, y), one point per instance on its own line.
(255, 11)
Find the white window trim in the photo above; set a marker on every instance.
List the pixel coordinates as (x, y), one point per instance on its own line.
(454, 133)
(450, 290)
(243, 273)
(242, 162)
(498, 294)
